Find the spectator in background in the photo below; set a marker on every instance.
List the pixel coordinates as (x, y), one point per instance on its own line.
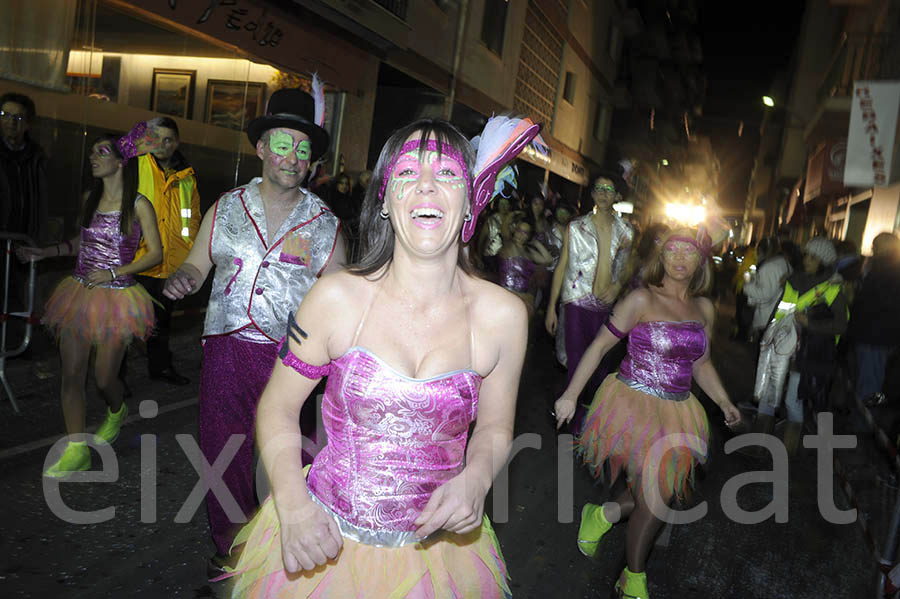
(23, 170)
(743, 314)
(764, 286)
(849, 266)
(168, 181)
(519, 259)
(874, 328)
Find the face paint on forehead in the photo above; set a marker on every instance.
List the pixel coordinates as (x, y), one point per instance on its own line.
(282, 144)
(412, 148)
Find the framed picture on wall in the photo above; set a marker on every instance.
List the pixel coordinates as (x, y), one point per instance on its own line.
(172, 92)
(225, 105)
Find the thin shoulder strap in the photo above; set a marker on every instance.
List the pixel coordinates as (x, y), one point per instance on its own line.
(365, 313)
(471, 329)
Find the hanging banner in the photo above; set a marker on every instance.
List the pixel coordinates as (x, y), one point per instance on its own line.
(873, 133)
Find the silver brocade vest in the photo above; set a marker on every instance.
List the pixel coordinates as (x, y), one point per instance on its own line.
(582, 264)
(259, 284)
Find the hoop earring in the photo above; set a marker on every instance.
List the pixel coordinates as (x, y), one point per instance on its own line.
(468, 217)
(384, 214)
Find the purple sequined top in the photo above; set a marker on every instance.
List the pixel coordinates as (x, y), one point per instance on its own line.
(103, 246)
(516, 273)
(661, 357)
(392, 440)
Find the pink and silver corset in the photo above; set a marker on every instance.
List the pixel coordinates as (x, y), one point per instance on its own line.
(103, 247)
(392, 440)
(661, 358)
(516, 273)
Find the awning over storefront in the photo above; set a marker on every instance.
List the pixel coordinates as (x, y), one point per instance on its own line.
(557, 162)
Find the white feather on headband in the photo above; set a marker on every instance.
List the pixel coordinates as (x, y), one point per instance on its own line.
(318, 94)
(498, 133)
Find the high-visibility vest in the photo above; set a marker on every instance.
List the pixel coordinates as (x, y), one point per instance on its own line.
(792, 301)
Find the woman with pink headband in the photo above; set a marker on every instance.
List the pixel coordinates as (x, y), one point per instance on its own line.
(644, 420)
(393, 505)
(101, 307)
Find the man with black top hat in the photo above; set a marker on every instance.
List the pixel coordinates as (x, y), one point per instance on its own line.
(270, 240)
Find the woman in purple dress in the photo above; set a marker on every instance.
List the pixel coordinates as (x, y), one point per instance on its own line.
(644, 420)
(519, 259)
(416, 348)
(101, 307)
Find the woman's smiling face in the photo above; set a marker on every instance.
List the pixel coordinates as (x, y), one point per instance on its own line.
(427, 196)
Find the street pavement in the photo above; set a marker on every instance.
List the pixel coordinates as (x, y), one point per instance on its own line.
(138, 553)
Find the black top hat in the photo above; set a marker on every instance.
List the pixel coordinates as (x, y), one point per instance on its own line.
(291, 109)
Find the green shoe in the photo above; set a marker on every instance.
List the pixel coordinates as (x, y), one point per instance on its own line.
(593, 526)
(109, 430)
(632, 585)
(76, 458)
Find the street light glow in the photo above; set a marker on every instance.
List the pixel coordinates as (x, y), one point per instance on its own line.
(688, 214)
(664, 162)
(768, 101)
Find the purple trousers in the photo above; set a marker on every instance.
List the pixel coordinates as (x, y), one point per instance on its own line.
(583, 319)
(233, 377)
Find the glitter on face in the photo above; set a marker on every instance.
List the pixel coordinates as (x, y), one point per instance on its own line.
(447, 152)
(408, 169)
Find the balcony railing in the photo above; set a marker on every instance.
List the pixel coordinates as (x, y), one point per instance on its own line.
(395, 7)
(861, 57)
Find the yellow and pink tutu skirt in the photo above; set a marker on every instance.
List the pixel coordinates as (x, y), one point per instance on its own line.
(643, 435)
(99, 315)
(452, 566)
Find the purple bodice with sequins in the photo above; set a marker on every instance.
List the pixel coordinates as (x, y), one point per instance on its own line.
(661, 354)
(392, 440)
(103, 246)
(516, 273)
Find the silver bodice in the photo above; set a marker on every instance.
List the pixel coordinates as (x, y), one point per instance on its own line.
(583, 254)
(257, 284)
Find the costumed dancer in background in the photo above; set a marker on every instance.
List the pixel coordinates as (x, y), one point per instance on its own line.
(495, 229)
(101, 307)
(393, 505)
(519, 259)
(668, 326)
(592, 270)
(269, 240)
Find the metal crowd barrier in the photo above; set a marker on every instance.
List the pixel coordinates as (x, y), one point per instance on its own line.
(28, 315)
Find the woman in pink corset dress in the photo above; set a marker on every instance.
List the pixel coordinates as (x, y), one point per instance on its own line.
(643, 419)
(415, 349)
(101, 307)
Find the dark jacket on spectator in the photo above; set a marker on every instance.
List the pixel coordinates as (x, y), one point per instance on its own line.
(23, 190)
(875, 317)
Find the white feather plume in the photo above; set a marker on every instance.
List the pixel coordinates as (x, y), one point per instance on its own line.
(318, 94)
(498, 132)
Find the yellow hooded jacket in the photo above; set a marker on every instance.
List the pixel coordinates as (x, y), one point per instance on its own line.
(177, 204)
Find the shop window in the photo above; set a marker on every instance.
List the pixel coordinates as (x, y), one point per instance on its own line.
(493, 26)
(569, 87)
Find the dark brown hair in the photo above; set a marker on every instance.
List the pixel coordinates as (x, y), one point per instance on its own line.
(129, 190)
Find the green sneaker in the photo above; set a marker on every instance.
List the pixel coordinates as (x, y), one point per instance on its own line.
(109, 430)
(76, 458)
(632, 585)
(593, 526)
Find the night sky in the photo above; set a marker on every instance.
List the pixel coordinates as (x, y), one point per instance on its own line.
(744, 46)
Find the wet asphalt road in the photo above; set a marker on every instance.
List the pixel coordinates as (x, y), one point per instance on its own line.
(164, 556)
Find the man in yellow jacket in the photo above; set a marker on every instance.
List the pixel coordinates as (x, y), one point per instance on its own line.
(168, 181)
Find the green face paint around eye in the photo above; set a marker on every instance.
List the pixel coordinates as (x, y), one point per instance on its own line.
(304, 150)
(281, 143)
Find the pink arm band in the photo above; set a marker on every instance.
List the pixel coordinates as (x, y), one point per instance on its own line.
(614, 330)
(308, 370)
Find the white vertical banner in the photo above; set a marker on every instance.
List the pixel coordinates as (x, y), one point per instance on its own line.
(873, 132)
